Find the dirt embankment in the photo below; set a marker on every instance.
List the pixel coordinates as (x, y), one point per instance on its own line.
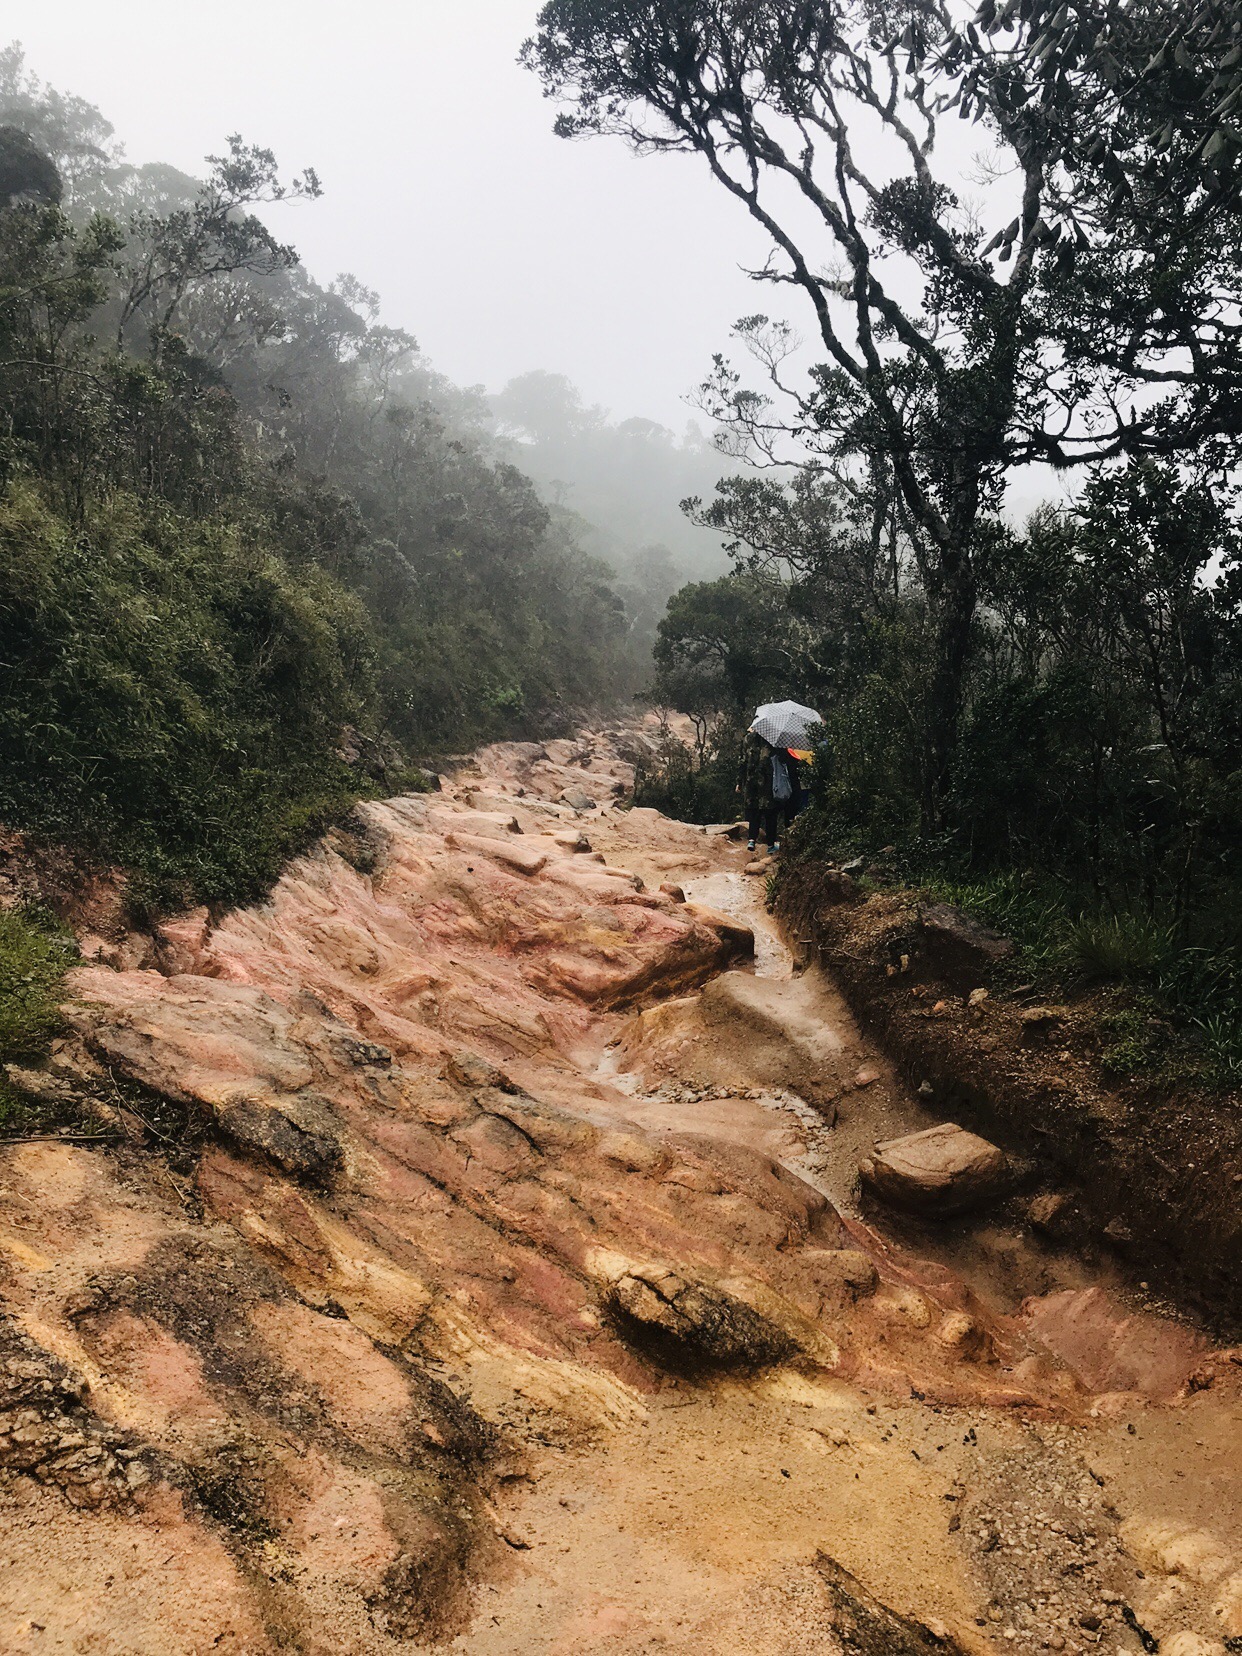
(469, 1258)
(1154, 1179)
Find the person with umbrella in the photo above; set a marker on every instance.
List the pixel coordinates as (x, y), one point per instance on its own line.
(768, 777)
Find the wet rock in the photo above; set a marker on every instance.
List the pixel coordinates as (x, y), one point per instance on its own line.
(735, 935)
(687, 1327)
(941, 1170)
(1110, 1347)
(959, 947)
(786, 1042)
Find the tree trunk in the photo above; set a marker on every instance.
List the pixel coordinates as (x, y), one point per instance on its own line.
(954, 613)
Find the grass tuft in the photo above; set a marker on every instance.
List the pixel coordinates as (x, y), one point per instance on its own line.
(1121, 948)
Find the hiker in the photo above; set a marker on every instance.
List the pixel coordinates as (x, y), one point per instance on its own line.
(769, 783)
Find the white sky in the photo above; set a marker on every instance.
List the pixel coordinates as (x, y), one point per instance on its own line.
(500, 247)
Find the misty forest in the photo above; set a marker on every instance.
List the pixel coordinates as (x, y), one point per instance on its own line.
(295, 632)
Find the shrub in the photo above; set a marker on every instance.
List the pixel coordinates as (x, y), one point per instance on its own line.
(175, 696)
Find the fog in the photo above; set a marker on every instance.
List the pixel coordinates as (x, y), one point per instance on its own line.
(501, 247)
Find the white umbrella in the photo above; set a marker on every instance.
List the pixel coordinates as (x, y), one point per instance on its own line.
(785, 724)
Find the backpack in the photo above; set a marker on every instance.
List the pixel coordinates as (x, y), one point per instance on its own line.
(782, 782)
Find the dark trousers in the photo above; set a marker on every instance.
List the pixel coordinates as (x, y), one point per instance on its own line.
(771, 817)
(767, 818)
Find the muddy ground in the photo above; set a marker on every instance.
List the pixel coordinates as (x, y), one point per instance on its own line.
(474, 1260)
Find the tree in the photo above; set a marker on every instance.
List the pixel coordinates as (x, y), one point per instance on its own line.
(214, 236)
(724, 645)
(72, 133)
(1092, 316)
(26, 174)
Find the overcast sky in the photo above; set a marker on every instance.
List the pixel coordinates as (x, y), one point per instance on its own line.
(500, 247)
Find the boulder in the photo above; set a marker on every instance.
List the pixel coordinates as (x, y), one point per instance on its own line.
(958, 947)
(941, 1170)
(1050, 1212)
(687, 1327)
(735, 934)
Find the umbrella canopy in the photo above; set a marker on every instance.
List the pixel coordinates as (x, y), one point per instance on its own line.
(785, 724)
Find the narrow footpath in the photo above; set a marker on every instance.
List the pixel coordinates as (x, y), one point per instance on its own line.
(474, 1258)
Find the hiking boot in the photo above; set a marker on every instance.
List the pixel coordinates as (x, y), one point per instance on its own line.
(774, 848)
(750, 845)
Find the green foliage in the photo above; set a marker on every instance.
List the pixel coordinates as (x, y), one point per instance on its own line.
(1121, 948)
(952, 353)
(35, 954)
(248, 531)
(1135, 1042)
(174, 697)
(693, 784)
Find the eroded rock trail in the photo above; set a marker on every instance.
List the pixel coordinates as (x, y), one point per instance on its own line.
(478, 1260)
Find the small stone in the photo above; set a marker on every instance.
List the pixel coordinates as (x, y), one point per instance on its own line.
(867, 1076)
(1048, 1210)
(1040, 1023)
